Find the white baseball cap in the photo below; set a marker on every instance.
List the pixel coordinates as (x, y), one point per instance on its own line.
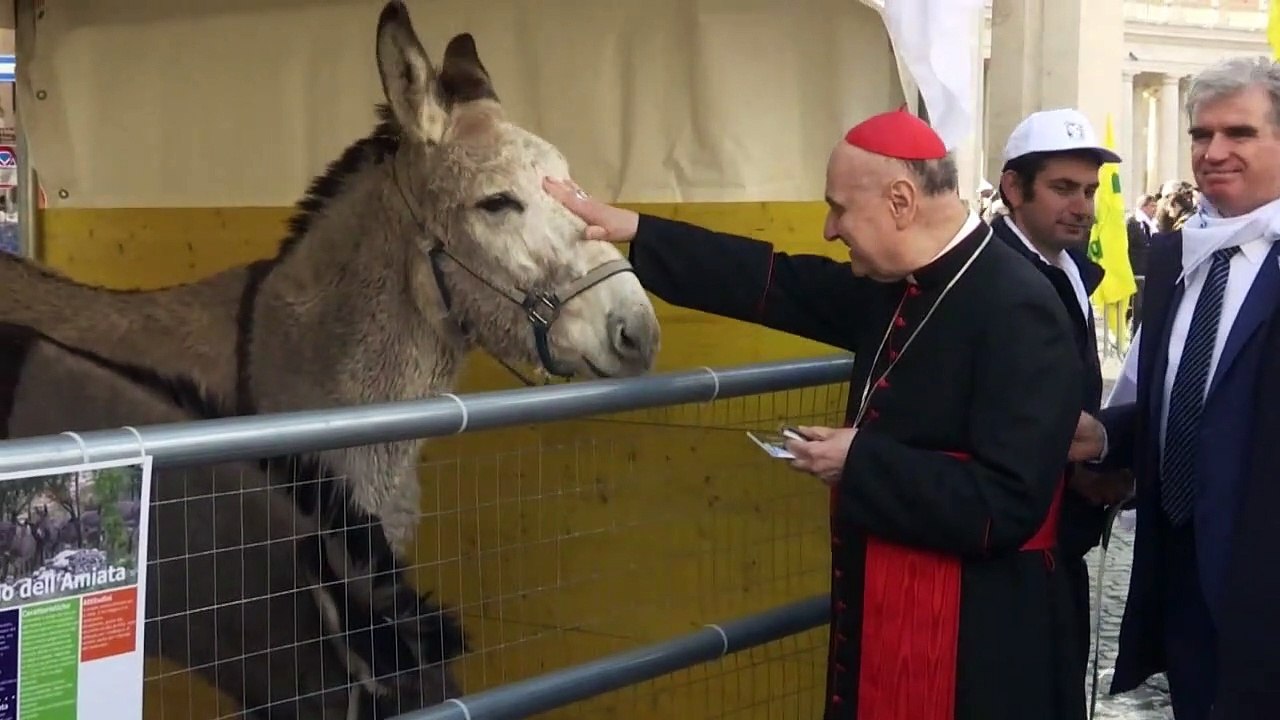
(1056, 130)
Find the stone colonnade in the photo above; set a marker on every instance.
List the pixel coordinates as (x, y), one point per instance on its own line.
(1155, 130)
(1073, 53)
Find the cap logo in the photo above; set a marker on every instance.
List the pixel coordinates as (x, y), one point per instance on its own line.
(1075, 130)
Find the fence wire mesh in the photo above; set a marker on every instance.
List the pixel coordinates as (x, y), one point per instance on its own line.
(548, 544)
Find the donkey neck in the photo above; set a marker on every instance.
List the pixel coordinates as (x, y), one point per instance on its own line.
(350, 314)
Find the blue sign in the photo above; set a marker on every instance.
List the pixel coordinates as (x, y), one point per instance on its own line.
(8, 159)
(8, 68)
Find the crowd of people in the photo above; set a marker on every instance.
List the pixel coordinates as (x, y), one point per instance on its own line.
(1153, 214)
(978, 460)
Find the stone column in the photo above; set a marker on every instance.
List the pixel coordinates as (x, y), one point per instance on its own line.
(1170, 93)
(1140, 111)
(1184, 136)
(1041, 57)
(1014, 82)
(1124, 139)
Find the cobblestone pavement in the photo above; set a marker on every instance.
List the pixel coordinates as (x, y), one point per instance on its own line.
(1151, 701)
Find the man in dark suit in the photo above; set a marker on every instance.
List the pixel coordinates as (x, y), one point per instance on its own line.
(946, 598)
(1196, 414)
(1050, 175)
(1140, 226)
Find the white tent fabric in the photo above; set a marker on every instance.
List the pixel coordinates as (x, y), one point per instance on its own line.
(226, 103)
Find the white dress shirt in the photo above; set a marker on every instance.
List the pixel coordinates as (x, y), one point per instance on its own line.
(1064, 263)
(1244, 269)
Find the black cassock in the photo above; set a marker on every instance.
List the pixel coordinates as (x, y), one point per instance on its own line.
(946, 599)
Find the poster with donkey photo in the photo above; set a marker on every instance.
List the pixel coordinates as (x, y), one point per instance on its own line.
(72, 591)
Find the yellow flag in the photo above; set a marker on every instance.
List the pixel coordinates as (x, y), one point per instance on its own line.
(1109, 239)
(1273, 29)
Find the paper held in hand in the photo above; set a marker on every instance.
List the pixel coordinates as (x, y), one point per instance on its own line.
(772, 443)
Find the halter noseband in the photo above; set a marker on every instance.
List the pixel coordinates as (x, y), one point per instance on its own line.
(541, 308)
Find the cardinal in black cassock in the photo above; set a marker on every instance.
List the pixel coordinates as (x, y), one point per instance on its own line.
(946, 602)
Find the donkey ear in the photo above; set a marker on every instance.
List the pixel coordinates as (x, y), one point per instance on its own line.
(462, 76)
(408, 78)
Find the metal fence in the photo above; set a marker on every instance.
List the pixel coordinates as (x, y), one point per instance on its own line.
(597, 543)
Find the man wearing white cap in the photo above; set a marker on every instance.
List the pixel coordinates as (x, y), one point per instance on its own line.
(1050, 175)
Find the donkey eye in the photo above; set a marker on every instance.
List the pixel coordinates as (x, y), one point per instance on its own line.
(498, 202)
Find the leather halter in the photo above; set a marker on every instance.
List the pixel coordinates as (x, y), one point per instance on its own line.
(542, 307)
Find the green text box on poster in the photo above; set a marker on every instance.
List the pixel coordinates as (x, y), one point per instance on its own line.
(49, 639)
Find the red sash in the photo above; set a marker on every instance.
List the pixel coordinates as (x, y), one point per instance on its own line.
(911, 623)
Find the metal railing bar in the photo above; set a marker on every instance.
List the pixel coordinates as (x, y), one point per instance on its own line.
(268, 435)
(562, 687)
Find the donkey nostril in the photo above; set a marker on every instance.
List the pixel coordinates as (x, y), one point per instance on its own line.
(625, 344)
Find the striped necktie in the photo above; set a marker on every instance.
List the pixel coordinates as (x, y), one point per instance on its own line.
(1186, 399)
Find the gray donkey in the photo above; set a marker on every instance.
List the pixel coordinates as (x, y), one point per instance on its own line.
(56, 533)
(425, 239)
(20, 547)
(242, 586)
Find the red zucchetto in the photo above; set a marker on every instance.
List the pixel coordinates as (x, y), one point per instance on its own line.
(897, 134)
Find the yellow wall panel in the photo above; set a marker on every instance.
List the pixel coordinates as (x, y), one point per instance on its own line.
(561, 542)
(154, 247)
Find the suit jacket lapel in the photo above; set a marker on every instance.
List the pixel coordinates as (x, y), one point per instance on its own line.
(1091, 337)
(1259, 305)
(1163, 295)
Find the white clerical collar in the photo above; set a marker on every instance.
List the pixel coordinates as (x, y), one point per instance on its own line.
(970, 224)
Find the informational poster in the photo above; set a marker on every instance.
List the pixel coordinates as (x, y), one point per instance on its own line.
(72, 591)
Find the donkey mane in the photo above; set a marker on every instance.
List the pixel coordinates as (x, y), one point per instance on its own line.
(374, 148)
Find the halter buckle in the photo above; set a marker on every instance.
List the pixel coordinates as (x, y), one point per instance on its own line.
(543, 308)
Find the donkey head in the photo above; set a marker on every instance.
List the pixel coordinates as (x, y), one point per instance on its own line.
(510, 263)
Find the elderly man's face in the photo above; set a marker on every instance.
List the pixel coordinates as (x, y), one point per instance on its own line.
(864, 213)
(1235, 151)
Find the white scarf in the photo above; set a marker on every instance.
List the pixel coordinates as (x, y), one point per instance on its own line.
(1207, 231)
